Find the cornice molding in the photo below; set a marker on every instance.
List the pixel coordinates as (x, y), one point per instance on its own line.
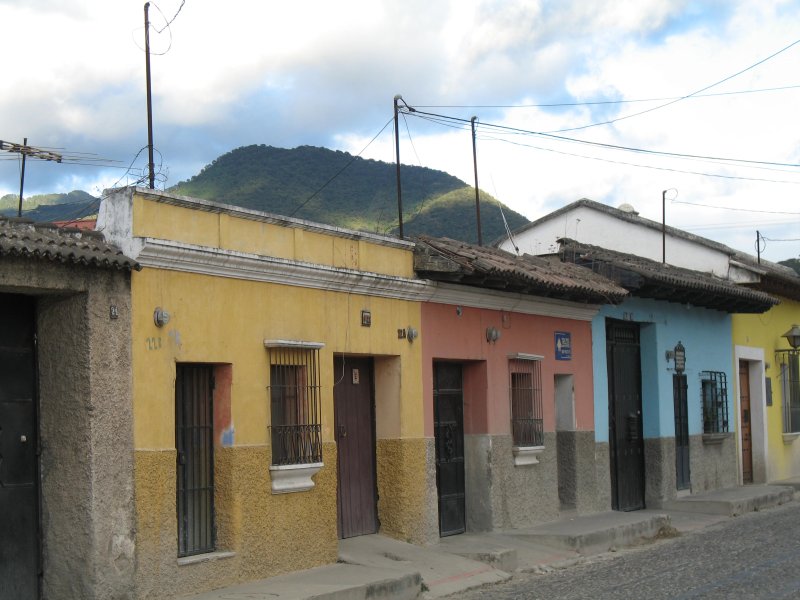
(203, 260)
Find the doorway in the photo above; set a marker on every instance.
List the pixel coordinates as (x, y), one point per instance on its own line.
(746, 422)
(354, 417)
(681, 410)
(448, 423)
(20, 548)
(626, 445)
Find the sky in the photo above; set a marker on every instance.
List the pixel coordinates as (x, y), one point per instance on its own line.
(617, 101)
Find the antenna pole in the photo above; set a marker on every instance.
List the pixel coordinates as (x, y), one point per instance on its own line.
(758, 245)
(477, 192)
(150, 164)
(397, 98)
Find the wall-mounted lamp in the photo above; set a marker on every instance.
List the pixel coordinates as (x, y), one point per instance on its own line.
(492, 334)
(793, 336)
(160, 317)
(411, 334)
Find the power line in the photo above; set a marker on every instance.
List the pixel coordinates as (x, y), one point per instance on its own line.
(750, 210)
(609, 102)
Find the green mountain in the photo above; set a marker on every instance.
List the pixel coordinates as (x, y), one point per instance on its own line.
(48, 207)
(793, 263)
(337, 188)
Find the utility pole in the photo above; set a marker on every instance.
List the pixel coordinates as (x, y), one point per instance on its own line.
(26, 151)
(664, 227)
(397, 99)
(477, 192)
(150, 164)
(758, 245)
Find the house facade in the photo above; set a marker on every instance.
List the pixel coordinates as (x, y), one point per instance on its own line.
(66, 445)
(277, 398)
(508, 385)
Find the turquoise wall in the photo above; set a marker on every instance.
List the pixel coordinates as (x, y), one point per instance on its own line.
(706, 335)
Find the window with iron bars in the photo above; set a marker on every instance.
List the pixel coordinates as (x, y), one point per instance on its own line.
(525, 391)
(789, 361)
(294, 392)
(714, 394)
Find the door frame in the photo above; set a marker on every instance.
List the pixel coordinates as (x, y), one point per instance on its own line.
(463, 491)
(612, 421)
(758, 406)
(374, 441)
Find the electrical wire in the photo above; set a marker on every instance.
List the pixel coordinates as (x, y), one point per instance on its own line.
(750, 210)
(340, 171)
(607, 102)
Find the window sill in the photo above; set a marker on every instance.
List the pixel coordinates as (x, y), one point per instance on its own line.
(287, 479)
(526, 455)
(201, 558)
(716, 438)
(789, 438)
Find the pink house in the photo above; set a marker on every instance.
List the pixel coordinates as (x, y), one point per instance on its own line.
(507, 371)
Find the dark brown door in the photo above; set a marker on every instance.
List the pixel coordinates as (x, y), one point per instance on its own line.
(355, 446)
(194, 442)
(19, 463)
(625, 415)
(679, 398)
(747, 442)
(448, 407)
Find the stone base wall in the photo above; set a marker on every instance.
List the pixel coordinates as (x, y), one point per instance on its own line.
(500, 495)
(713, 465)
(407, 500)
(577, 473)
(659, 471)
(267, 533)
(602, 468)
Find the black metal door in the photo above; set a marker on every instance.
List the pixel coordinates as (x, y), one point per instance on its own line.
(20, 570)
(355, 447)
(625, 415)
(679, 393)
(448, 408)
(194, 442)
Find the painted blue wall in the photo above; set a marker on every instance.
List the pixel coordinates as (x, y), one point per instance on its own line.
(706, 335)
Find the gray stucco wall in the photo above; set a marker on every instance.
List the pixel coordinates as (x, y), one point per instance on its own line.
(86, 425)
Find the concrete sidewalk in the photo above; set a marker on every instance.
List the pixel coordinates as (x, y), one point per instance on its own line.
(378, 567)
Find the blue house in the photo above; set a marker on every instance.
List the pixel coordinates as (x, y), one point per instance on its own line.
(663, 380)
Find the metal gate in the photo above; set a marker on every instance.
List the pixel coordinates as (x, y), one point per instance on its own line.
(679, 397)
(354, 415)
(20, 564)
(448, 407)
(194, 442)
(625, 415)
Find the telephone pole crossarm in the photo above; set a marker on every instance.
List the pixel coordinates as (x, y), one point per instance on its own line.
(26, 150)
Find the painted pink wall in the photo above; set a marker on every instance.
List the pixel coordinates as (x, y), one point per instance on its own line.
(446, 335)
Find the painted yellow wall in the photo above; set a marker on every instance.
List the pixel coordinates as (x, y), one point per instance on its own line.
(222, 320)
(765, 331)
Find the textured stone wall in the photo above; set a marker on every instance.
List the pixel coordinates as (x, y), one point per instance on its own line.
(407, 501)
(602, 469)
(713, 465)
(267, 533)
(85, 425)
(577, 473)
(659, 471)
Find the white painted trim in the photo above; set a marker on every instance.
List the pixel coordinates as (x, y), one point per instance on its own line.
(293, 344)
(523, 356)
(204, 260)
(293, 478)
(207, 557)
(526, 455)
(758, 412)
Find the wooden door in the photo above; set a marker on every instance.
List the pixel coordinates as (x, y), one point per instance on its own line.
(448, 407)
(20, 563)
(626, 445)
(354, 416)
(194, 442)
(747, 442)
(679, 398)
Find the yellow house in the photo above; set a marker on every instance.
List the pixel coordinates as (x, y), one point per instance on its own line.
(768, 382)
(277, 397)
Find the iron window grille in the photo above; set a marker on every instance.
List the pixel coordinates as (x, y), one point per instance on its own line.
(714, 394)
(789, 361)
(525, 391)
(295, 407)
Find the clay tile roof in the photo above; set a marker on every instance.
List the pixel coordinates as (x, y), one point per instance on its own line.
(444, 259)
(650, 279)
(23, 238)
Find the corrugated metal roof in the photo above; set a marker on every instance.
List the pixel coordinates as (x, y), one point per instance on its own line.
(650, 279)
(23, 238)
(444, 259)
